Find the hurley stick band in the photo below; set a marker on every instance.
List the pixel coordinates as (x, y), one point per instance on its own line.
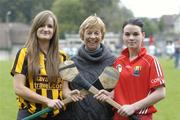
(66, 67)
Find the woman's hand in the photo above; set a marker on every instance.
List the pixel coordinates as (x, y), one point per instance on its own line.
(75, 95)
(103, 95)
(126, 110)
(55, 104)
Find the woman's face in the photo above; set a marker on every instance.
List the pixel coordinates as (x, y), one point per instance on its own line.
(92, 38)
(46, 31)
(133, 36)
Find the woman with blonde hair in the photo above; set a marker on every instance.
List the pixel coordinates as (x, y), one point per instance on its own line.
(91, 59)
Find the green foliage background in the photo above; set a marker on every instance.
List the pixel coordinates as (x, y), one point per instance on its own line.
(168, 109)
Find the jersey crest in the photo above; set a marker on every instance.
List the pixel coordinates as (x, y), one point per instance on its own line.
(137, 70)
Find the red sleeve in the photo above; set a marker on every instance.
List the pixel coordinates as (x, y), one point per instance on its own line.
(156, 74)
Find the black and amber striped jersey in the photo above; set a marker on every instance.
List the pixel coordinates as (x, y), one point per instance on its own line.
(40, 85)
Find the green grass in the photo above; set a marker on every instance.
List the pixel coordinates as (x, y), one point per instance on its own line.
(167, 108)
(8, 104)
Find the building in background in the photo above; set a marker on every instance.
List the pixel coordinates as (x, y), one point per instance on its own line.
(12, 37)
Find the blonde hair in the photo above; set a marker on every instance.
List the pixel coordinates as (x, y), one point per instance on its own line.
(33, 49)
(90, 22)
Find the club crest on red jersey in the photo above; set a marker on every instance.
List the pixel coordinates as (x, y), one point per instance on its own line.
(137, 70)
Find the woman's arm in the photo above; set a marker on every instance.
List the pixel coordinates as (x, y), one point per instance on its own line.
(26, 93)
(151, 99)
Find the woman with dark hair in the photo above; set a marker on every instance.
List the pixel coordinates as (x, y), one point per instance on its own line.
(141, 82)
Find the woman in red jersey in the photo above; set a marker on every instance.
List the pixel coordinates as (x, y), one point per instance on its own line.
(141, 83)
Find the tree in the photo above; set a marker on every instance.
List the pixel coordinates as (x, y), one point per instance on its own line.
(161, 25)
(94, 6)
(110, 11)
(115, 16)
(22, 10)
(70, 15)
(150, 26)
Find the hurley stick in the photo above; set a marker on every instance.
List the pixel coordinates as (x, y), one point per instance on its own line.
(110, 101)
(48, 109)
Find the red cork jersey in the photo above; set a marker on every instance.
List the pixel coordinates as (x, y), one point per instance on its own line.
(138, 78)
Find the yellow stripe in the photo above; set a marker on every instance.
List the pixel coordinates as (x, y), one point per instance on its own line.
(55, 96)
(20, 102)
(20, 60)
(18, 69)
(33, 106)
(61, 55)
(42, 64)
(55, 93)
(56, 112)
(60, 94)
(44, 93)
(63, 52)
